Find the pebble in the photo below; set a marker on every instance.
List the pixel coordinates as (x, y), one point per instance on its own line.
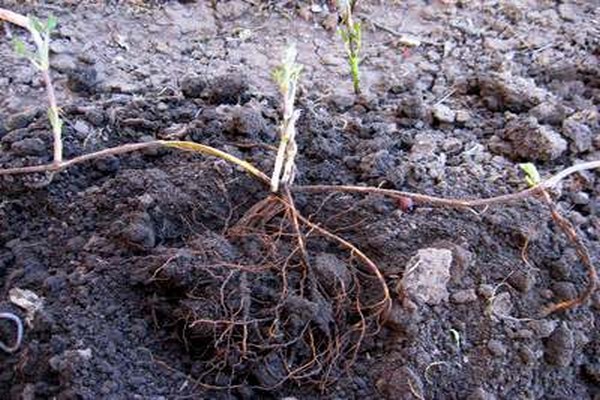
(443, 114)
(580, 134)
(527, 139)
(485, 290)
(560, 346)
(192, 86)
(581, 198)
(522, 281)
(426, 276)
(464, 296)
(564, 290)
(29, 147)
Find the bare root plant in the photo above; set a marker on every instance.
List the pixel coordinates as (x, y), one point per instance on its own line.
(263, 330)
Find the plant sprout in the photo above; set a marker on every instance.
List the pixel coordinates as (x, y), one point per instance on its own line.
(532, 176)
(286, 76)
(40, 34)
(351, 33)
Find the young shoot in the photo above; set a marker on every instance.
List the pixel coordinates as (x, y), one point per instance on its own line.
(286, 76)
(351, 34)
(40, 59)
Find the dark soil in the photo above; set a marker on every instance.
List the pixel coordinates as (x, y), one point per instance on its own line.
(156, 285)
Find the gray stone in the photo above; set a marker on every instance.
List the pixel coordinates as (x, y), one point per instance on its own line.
(579, 133)
(581, 198)
(401, 384)
(462, 116)
(560, 346)
(443, 114)
(464, 296)
(522, 281)
(527, 139)
(29, 147)
(564, 290)
(426, 276)
(507, 91)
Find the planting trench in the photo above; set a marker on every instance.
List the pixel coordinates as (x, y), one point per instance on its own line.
(156, 283)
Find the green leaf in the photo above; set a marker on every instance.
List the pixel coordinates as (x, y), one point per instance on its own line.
(36, 24)
(51, 23)
(532, 176)
(20, 48)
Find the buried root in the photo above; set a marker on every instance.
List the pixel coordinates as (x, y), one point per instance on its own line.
(276, 313)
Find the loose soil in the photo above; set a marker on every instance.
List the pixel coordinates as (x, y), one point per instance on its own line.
(157, 285)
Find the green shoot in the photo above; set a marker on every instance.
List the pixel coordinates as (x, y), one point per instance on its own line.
(351, 33)
(286, 76)
(532, 176)
(40, 34)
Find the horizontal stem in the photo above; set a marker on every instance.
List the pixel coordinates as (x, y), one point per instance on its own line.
(446, 202)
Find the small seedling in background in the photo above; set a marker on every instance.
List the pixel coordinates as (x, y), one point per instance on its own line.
(351, 33)
(532, 176)
(40, 34)
(286, 76)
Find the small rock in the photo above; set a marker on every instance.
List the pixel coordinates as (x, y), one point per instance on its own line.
(564, 290)
(443, 114)
(497, 348)
(21, 120)
(227, 89)
(462, 116)
(560, 346)
(527, 139)
(485, 290)
(426, 276)
(548, 112)
(139, 231)
(247, 122)
(507, 91)
(567, 12)
(411, 107)
(502, 304)
(522, 281)
(333, 271)
(581, 198)
(579, 133)
(83, 79)
(401, 384)
(480, 394)
(543, 328)
(342, 101)
(29, 147)
(464, 296)
(193, 86)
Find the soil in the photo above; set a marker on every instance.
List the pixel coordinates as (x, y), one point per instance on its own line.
(156, 285)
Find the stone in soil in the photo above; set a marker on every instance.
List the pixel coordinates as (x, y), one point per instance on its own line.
(401, 384)
(579, 134)
(193, 86)
(560, 346)
(426, 276)
(505, 91)
(526, 139)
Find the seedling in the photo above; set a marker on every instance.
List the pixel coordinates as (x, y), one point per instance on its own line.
(351, 33)
(40, 59)
(286, 76)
